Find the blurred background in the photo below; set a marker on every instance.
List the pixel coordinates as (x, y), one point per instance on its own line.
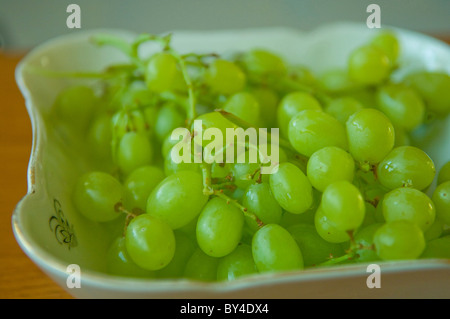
(26, 23)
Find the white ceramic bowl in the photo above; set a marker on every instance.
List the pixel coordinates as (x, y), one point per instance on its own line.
(54, 236)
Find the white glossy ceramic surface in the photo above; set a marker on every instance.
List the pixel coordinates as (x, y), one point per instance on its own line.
(54, 235)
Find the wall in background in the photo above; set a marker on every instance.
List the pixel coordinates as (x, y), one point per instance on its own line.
(26, 23)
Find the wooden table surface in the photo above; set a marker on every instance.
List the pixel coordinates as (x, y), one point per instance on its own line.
(19, 276)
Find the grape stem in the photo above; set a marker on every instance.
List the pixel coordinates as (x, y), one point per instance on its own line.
(132, 51)
(252, 176)
(229, 185)
(129, 215)
(176, 98)
(191, 111)
(209, 190)
(351, 253)
(219, 193)
(336, 260)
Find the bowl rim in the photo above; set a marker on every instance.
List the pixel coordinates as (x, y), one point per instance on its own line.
(53, 266)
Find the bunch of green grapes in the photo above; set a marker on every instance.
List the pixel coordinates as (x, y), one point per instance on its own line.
(349, 185)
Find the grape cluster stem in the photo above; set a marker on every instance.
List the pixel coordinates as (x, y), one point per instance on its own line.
(209, 190)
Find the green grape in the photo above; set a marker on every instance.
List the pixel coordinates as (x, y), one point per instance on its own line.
(311, 130)
(201, 267)
(388, 43)
(406, 166)
(336, 81)
(178, 199)
(244, 174)
(179, 83)
(140, 183)
(169, 117)
(263, 62)
(259, 200)
(437, 248)
(237, 264)
(315, 249)
(96, 195)
(190, 230)
(342, 108)
(435, 230)
(291, 188)
(368, 183)
(289, 219)
(221, 170)
(184, 248)
(328, 165)
(119, 262)
(290, 105)
(270, 155)
(212, 120)
(171, 167)
(379, 217)
(370, 136)
(444, 173)
(125, 121)
(441, 199)
(150, 115)
(247, 236)
(134, 151)
(238, 193)
(364, 241)
(75, 106)
(274, 249)
(219, 227)
(225, 77)
(409, 204)
(370, 215)
(268, 103)
(99, 138)
(160, 72)
(402, 105)
(115, 228)
(343, 205)
(399, 239)
(176, 160)
(434, 88)
(300, 162)
(136, 95)
(302, 74)
(402, 138)
(168, 144)
(366, 96)
(327, 230)
(307, 217)
(150, 242)
(368, 65)
(245, 106)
